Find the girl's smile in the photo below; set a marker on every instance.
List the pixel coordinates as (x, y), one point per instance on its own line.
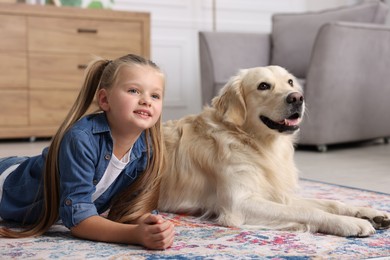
(143, 113)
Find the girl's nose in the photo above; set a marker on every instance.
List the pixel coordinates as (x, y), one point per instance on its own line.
(145, 101)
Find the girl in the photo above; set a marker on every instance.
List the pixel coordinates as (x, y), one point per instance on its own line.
(109, 159)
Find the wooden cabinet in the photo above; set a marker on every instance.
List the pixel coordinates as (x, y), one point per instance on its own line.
(43, 54)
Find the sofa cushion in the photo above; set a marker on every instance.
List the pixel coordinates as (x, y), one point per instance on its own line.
(293, 35)
(221, 56)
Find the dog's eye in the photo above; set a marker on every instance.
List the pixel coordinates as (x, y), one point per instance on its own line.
(263, 86)
(291, 82)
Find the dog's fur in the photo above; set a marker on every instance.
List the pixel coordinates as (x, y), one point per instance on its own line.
(234, 162)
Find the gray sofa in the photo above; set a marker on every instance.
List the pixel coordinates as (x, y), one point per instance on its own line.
(341, 56)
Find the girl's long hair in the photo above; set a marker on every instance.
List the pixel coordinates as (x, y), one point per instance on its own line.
(100, 73)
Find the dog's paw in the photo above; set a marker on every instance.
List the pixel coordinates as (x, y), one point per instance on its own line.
(359, 228)
(348, 227)
(378, 219)
(379, 222)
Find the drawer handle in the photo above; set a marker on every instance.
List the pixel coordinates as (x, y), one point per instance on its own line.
(84, 30)
(82, 66)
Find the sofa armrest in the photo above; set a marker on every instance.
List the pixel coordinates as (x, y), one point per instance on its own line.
(348, 84)
(222, 54)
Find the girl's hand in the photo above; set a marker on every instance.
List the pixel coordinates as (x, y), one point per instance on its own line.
(150, 231)
(155, 232)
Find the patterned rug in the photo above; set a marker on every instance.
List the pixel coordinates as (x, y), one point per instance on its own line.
(204, 240)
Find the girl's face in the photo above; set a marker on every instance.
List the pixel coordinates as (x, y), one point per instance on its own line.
(134, 102)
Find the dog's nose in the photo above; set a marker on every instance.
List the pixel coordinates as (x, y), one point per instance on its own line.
(295, 98)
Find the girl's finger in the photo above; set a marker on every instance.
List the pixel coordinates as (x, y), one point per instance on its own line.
(153, 219)
(163, 232)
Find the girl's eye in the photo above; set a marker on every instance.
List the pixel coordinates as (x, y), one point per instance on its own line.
(156, 96)
(134, 91)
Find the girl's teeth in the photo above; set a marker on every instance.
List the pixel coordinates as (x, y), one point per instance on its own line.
(142, 113)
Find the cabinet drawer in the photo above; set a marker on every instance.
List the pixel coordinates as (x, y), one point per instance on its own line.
(59, 71)
(84, 36)
(49, 108)
(13, 70)
(13, 108)
(13, 33)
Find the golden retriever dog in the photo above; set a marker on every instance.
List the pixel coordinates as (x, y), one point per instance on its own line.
(234, 162)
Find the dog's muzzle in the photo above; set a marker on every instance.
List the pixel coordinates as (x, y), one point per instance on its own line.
(291, 122)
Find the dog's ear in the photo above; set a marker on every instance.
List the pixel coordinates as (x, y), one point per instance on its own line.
(230, 103)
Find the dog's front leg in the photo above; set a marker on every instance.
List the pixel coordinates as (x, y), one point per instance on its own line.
(255, 211)
(378, 219)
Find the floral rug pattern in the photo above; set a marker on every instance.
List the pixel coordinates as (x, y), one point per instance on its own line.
(197, 239)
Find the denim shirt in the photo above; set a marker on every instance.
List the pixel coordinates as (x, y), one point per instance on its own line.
(85, 152)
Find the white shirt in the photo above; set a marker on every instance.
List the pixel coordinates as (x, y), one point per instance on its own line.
(114, 168)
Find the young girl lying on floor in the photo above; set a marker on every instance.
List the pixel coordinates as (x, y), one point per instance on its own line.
(111, 159)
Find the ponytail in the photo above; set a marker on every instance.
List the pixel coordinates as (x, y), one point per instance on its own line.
(51, 173)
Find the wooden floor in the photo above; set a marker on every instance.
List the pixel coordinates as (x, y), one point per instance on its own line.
(364, 165)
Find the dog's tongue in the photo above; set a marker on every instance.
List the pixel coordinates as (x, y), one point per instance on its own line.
(289, 122)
